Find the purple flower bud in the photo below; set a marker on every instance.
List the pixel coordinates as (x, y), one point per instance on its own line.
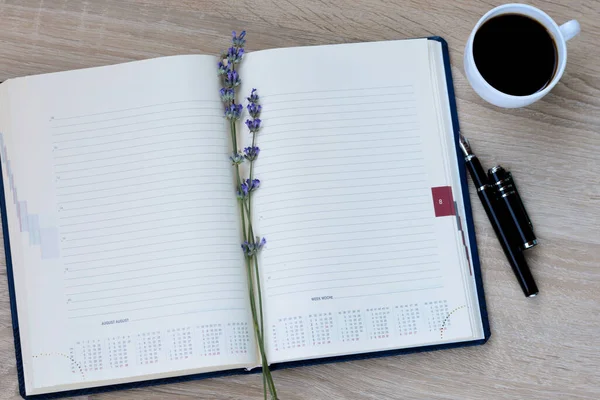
(231, 79)
(253, 124)
(261, 243)
(251, 153)
(254, 109)
(251, 184)
(234, 55)
(233, 111)
(237, 158)
(252, 248)
(253, 96)
(238, 41)
(243, 191)
(223, 69)
(227, 95)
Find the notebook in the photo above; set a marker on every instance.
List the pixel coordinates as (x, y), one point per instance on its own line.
(122, 232)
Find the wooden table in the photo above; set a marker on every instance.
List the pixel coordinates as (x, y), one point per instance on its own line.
(541, 348)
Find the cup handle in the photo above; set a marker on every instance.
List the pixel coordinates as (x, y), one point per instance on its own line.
(570, 29)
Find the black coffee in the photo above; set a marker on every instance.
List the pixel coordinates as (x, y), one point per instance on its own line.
(515, 54)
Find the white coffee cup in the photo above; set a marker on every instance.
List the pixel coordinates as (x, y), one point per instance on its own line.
(560, 35)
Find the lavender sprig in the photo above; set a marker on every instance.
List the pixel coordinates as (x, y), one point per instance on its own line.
(251, 244)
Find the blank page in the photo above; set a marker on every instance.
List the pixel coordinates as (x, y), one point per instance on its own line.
(351, 148)
(124, 225)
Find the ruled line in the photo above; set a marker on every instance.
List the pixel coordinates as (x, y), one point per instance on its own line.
(351, 216)
(144, 122)
(219, 268)
(271, 110)
(259, 165)
(371, 260)
(143, 176)
(104, 166)
(278, 247)
(134, 108)
(384, 293)
(150, 299)
(120, 264)
(143, 183)
(155, 306)
(200, 206)
(152, 276)
(340, 148)
(395, 198)
(353, 286)
(154, 283)
(288, 139)
(189, 312)
(162, 188)
(338, 179)
(271, 117)
(353, 90)
(350, 190)
(198, 239)
(96, 244)
(153, 228)
(337, 257)
(122, 171)
(346, 248)
(105, 135)
(217, 109)
(345, 231)
(154, 291)
(193, 139)
(137, 207)
(298, 283)
(268, 125)
(144, 253)
(138, 154)
(358, 270)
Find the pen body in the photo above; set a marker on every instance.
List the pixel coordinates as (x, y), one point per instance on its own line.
(497, 214)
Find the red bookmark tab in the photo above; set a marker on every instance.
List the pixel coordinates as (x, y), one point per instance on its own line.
(443, 202)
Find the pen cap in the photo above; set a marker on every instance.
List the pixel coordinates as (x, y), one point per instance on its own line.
(506, 192)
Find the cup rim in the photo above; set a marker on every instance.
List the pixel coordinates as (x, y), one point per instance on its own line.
(557, 34)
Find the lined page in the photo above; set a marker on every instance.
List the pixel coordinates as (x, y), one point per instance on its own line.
(356, 259)
(128, 222)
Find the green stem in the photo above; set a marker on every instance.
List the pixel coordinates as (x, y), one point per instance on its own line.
(260, 307)
(257, 332)
(251, 177)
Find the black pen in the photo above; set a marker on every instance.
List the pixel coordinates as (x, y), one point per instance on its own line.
(500, 221)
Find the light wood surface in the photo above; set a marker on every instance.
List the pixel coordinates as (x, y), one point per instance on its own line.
(541, 348)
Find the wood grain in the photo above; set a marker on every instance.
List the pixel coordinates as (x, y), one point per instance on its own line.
(542, 348)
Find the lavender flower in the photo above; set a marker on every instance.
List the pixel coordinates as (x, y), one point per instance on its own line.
(233, 111)
(237, 158)
(231, 79)
(254, 109)
(227, 95)
(242, 192)
(252, 248)
(251, 184)
(253, 97)
(253, 124)
(223, 68)
(234, 55)
(251, 153)
(238, 41)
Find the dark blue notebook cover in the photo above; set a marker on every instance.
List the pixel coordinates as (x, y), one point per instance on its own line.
(476, 271)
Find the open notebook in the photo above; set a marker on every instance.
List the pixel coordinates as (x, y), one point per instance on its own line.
(122, 233)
